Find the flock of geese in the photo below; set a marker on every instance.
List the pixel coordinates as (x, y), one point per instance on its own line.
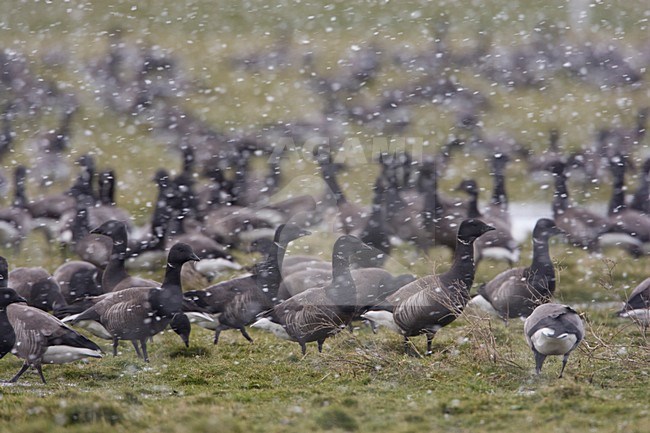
(218, 204)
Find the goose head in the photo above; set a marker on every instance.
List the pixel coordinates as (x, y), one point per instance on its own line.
(471, 229)
(110, 228)
(545, 228)
(290, 231)
(9, 296)
(181, 253)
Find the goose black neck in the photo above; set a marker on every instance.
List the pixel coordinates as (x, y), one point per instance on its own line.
(115, 269)
(617, 202)
(432, 209)
(268, 274)
(80, 227)
(7, 333)
(642, 194)
(541, 267)
(342, 290)
(172, 279)
(334, 186)
(561, 195)
(499, 195)
(472, 206)
(20, 197)
(463, 267)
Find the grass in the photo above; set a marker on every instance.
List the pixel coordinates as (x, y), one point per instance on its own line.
(480, 376)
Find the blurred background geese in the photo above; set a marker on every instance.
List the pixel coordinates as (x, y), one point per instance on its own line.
(38, 336)
(553, 329)
(432, 302)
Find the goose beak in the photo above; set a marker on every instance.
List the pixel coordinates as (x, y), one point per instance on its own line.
(194, 257)
(488, 228)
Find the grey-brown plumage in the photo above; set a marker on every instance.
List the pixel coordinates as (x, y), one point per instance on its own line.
(39, 337)
(320, 312)
(516, 292)
(138, 313)
(37, 286)
(553, 329)
(637, 306)
(236, 303)
(434, 301)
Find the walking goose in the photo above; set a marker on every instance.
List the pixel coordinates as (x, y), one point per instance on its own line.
(235, 303)
(432, 302)
(637, 306)
(38, 337)
(516, 292)
(138, 313)
(553, 329)
(319, 312)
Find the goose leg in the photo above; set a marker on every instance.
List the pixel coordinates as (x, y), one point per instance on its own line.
(20, 372)
(115, 343)
(137, 349)
(539, 360)
(565, 358)
(408, 348)
(39, 368)
(303, 347)
(145, 355)
(429, 340)
(216, 336)
(320, 345)
(244, 333)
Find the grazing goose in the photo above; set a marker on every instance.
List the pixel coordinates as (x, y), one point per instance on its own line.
(582, 227)
(235, 303)
(38, 336)
(37, 286)
(516, 292)
(138, 313)
(637, 306)
(78, 279)
(553, 329)
(432, 302)
(319, 312)
(497, 244)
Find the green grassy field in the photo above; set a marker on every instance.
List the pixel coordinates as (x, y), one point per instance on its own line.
(480, 377)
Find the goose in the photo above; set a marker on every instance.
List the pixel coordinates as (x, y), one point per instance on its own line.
(16, 221)
(320, 312)
(497, 244)
(39, 338)
(625, 220)
(78, 279)
(376, 233)
(516, 292)
(37, 286)
(637, 306)
(138, 313)
(553, 329)
(351, 218)
(582, 226)
(235, 303)
(115, 276)
(429, 303)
